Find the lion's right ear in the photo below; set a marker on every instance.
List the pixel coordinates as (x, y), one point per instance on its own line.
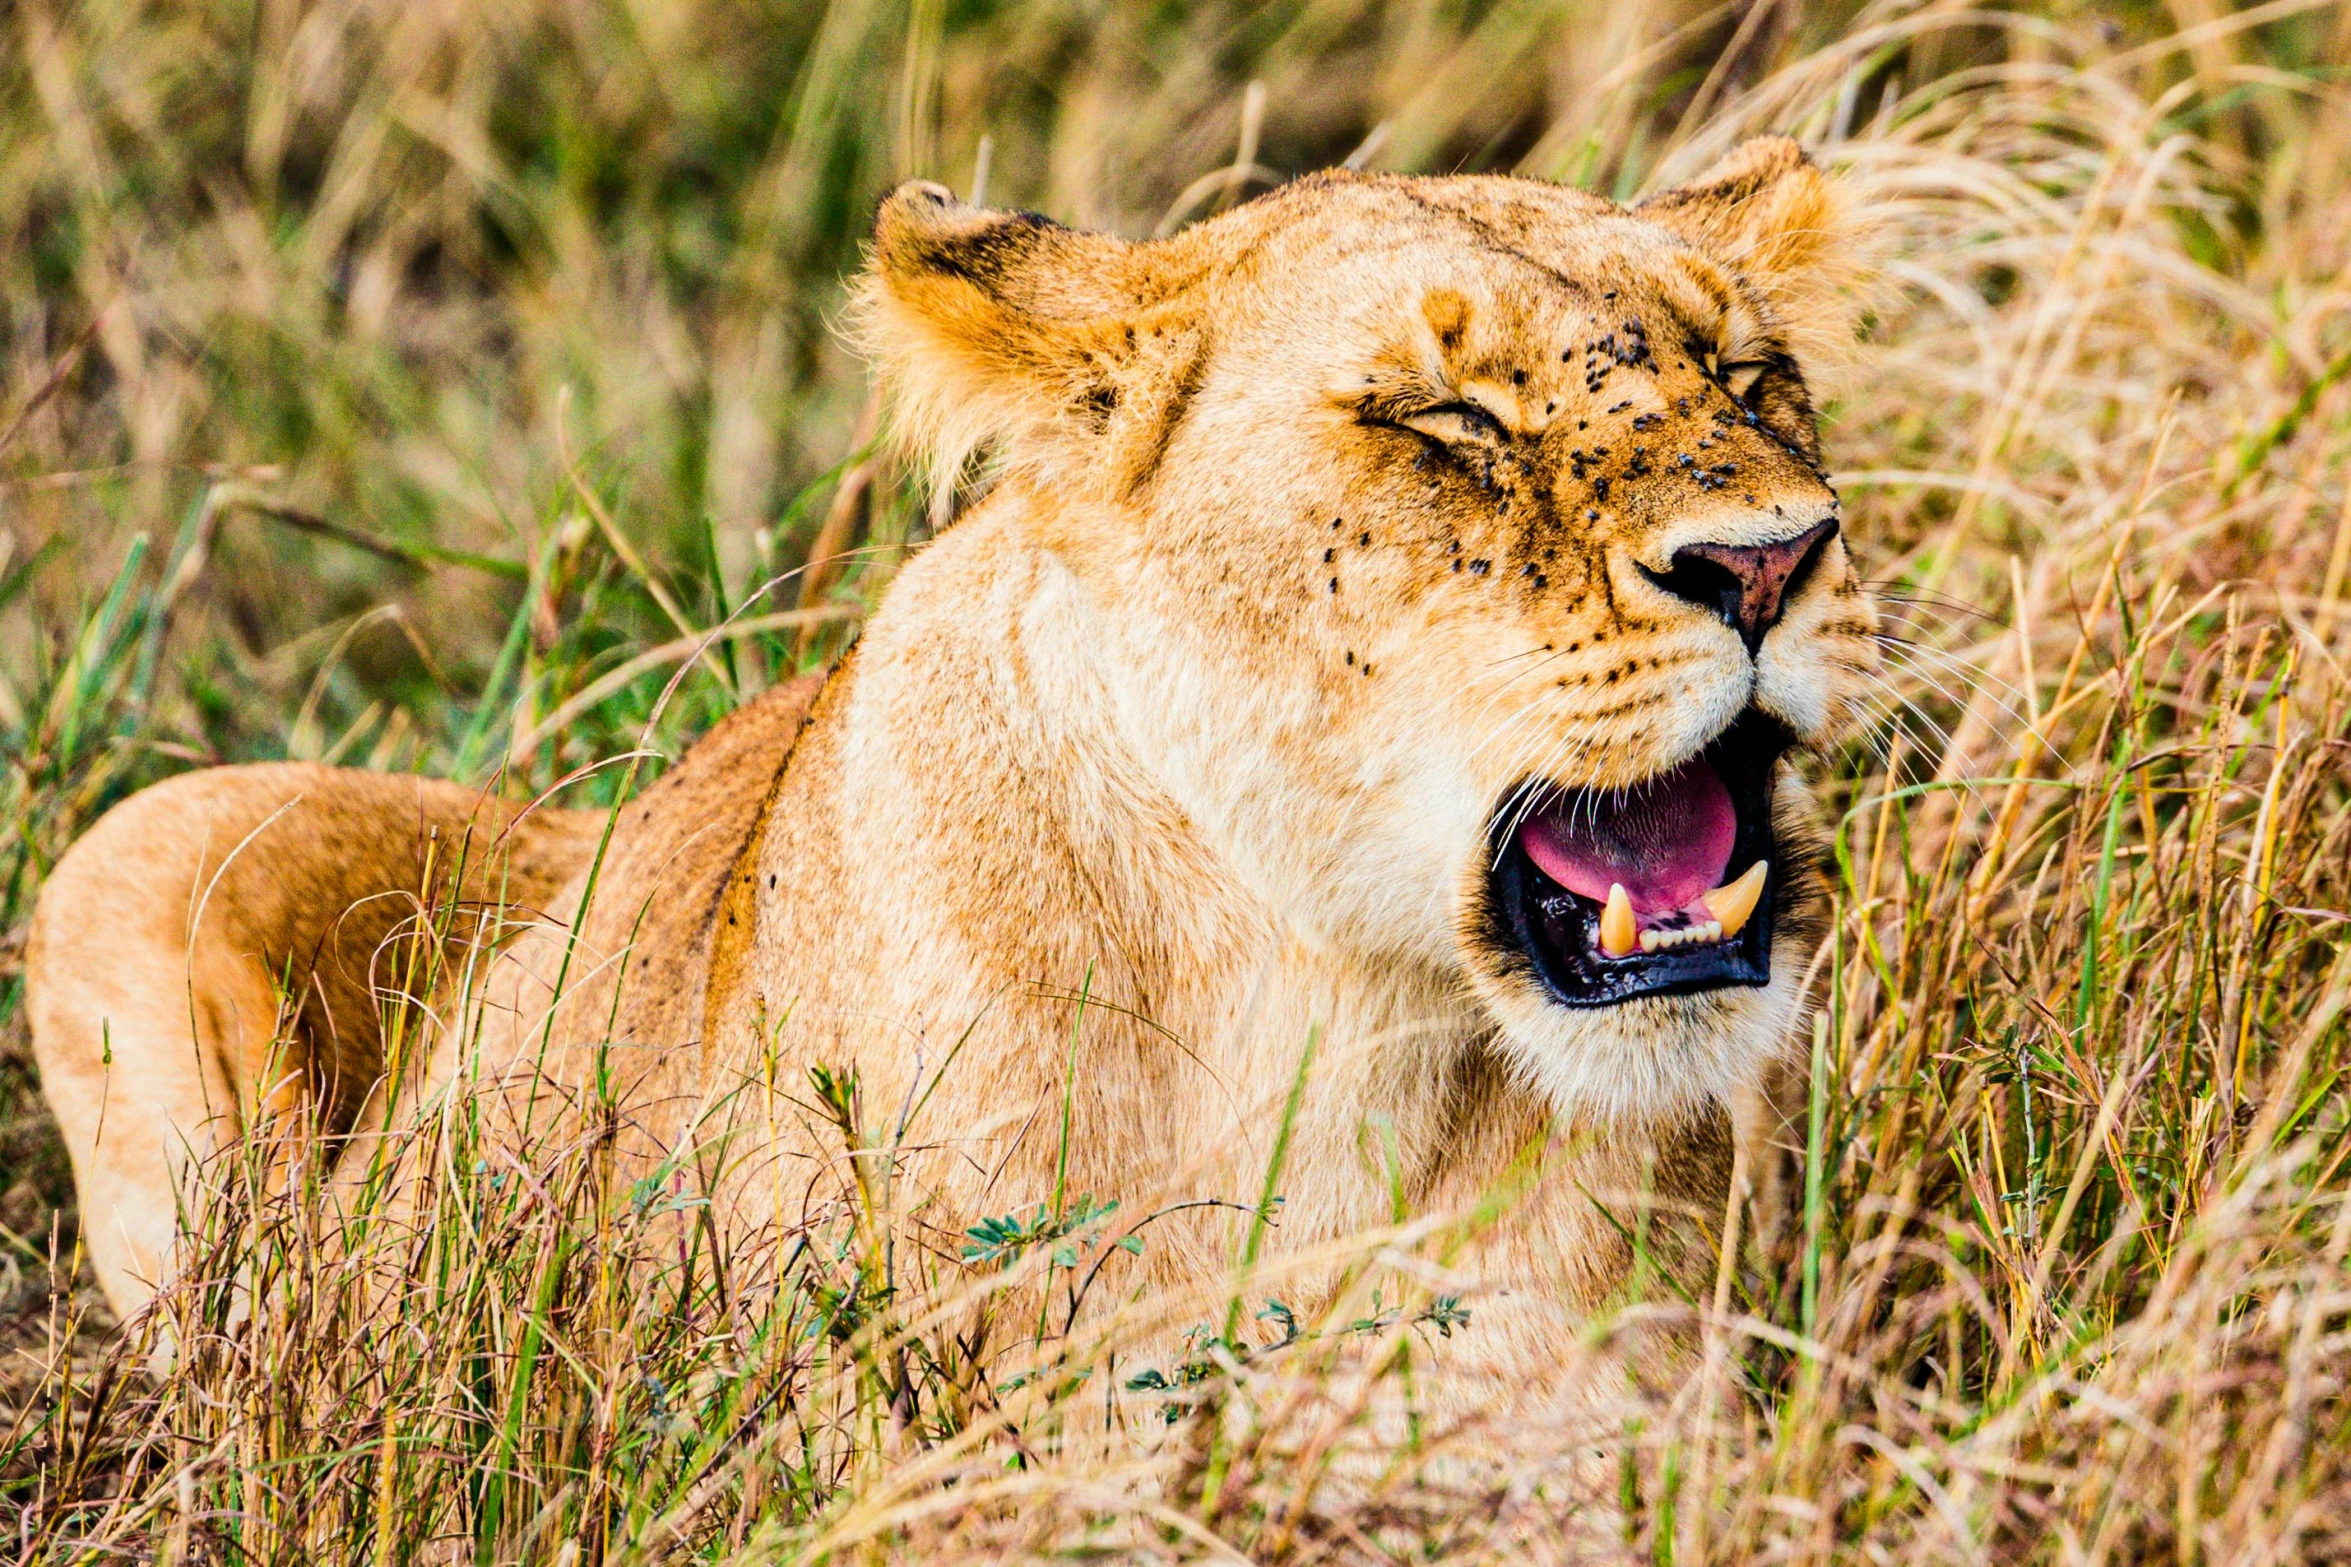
(1770, 214)
(1045, 346)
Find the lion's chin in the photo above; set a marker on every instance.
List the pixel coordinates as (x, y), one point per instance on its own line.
(1657, 1059)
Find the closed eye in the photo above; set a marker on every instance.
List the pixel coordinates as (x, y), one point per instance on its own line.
(1454, 424)
(1741, 380)
(1740, 377)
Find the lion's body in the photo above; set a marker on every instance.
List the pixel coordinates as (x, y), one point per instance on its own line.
(1172, 759)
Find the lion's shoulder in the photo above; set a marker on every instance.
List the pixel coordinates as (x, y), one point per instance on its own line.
(655, 905)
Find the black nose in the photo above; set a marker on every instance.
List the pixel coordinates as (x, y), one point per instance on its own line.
(1746, 584)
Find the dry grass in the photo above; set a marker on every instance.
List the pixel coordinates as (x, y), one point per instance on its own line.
(377, 381)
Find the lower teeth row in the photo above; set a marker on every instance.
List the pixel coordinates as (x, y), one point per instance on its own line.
(1729, 906)
(1683, 936)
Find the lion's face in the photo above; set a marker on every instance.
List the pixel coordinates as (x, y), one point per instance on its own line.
(1468, 570)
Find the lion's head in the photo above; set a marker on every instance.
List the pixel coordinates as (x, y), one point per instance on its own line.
(1467, 563)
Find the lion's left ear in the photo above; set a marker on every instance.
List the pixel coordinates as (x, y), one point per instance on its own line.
(1053, 349)
(1767, 213)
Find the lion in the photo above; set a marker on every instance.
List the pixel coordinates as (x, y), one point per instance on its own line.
(1371, 668)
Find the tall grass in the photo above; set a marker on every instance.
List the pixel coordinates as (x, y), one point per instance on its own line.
(402, 384)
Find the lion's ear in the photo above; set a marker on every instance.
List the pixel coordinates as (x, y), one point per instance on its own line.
(1004, 331)
(1768, 213)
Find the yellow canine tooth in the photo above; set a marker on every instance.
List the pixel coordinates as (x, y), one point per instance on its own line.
(1732, 903)
(1619, 932)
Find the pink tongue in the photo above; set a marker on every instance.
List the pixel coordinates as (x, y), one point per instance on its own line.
(1667, 840)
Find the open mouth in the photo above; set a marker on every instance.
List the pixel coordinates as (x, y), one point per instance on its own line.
(1663, 887)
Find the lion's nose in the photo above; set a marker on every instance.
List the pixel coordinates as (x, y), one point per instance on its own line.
(1748, 585)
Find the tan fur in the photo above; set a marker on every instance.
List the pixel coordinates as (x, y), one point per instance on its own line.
(1204, 709)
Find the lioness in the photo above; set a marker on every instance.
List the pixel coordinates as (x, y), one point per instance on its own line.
(1392, 609)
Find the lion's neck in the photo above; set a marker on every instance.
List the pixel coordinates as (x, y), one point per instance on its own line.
(999, 749)
(970, 829)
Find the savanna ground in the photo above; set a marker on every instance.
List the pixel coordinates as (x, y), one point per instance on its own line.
(416, 385)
